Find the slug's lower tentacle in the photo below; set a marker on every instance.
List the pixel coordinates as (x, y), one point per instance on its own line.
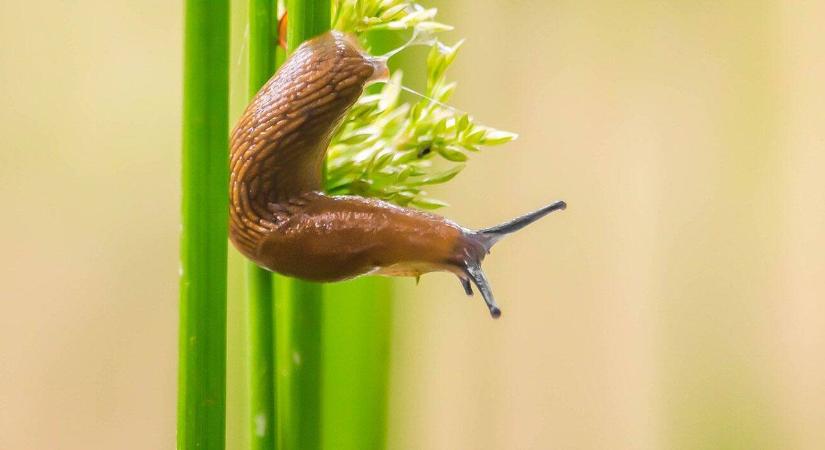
(279, 217)
(480, 280)
(465, 283)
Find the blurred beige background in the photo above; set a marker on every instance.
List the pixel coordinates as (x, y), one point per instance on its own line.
(677, 303)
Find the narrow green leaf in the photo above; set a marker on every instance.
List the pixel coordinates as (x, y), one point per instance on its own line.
(429, 203)
(497, 137)
(433, 26)
(451, 153)
(442, 177)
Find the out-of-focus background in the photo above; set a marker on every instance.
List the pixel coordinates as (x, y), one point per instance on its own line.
(677, 303)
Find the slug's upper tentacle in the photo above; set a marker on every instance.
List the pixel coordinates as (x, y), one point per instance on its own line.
(279, 217)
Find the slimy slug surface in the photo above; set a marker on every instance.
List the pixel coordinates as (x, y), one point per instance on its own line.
(281, 219)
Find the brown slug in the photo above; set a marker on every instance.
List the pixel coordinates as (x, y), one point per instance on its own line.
(281, 219)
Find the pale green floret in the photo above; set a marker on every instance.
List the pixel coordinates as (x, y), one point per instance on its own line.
(390, 149)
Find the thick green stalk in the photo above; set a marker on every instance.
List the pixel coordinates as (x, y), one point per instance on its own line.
(300, 320)
(357, 332)
(202, 333)
(299, 324)
(263, 40)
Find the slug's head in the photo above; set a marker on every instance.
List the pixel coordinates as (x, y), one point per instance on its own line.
(473, 246)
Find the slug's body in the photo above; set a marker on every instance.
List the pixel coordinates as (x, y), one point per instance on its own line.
(279, 217)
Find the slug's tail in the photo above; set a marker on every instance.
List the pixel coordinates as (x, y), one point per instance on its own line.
(488, 237)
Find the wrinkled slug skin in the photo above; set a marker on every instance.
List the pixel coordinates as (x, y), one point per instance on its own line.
(279, 217)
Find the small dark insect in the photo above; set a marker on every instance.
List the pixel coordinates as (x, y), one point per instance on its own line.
(281, 219)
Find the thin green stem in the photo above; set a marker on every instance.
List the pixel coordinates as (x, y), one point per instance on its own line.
(300, 320)
(261, 366)
(202, 333)
(263, 41)
(307, 19)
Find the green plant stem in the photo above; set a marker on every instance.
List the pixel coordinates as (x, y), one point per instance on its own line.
(261, 365)
(299, 326)
(202, 332)
(307, 19)
(300, 320)
(357, 333)
(263, 41)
